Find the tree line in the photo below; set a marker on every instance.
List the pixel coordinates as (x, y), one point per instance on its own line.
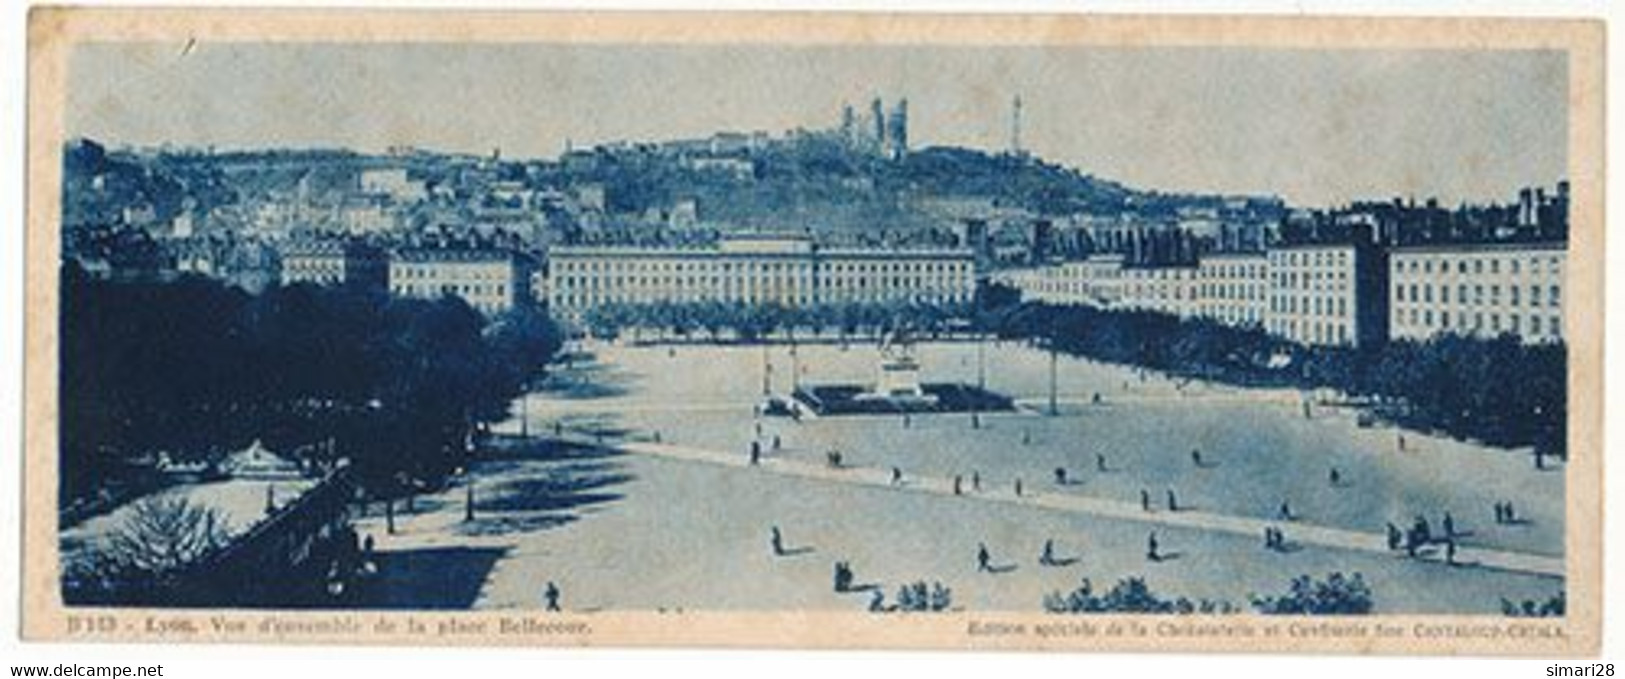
(718, 321)
(195, 370)
(1499, 390)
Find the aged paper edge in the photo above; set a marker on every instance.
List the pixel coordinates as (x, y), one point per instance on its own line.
(52, 32)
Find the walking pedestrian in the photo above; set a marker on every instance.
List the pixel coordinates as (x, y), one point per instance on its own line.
(1100, 462)
(777, 443)
(976, 481)
(551, 594)
(1449, 526)
(1285, 511)
(1400, 441)
(1060, 476)
(755, 452)
(984, 560)
(1173, 501)
(896, 476)
(777, 542)
(1026, 438)
(1450, 551)
(1151, 546)
(1196, 457)
(957, 484)
(1335, 477)
(1145, 500)
(1018, 487)
(1512, 514)
(1395, 537)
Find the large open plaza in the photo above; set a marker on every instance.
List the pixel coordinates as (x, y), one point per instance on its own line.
(672, 514)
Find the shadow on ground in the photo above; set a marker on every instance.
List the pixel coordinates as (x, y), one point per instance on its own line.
(432, 578)
(589, 381)
(532, 490)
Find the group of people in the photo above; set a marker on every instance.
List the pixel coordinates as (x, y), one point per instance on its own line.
(975, 483)
(1505, 514)
(1421, 534)
(1274, 539)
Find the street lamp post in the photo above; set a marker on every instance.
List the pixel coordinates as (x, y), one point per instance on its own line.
(1053, 410)
(767, 371)
(524, 412)
(795, 367)
(981, 361)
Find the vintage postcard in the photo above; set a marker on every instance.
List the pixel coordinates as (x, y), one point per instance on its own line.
(815, 330)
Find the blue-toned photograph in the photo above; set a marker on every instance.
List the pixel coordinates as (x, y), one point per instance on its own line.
(867, 328)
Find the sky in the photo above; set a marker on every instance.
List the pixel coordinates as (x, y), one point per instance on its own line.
(1318, 127)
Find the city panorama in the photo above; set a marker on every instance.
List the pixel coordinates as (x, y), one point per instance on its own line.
(583, 328)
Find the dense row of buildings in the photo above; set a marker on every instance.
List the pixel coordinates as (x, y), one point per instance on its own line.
(788, 270)
(491, 280)
(1332, 294)
(1348, 292)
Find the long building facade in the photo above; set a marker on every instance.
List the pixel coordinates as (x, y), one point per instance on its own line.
(334, 263)
(493, 281)
(786, 270)
(1233, 288)
(1478, 290)
(1327, 295)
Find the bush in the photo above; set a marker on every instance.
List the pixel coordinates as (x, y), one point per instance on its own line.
(1130, 595)
(1336, 595)
(1555, 607)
